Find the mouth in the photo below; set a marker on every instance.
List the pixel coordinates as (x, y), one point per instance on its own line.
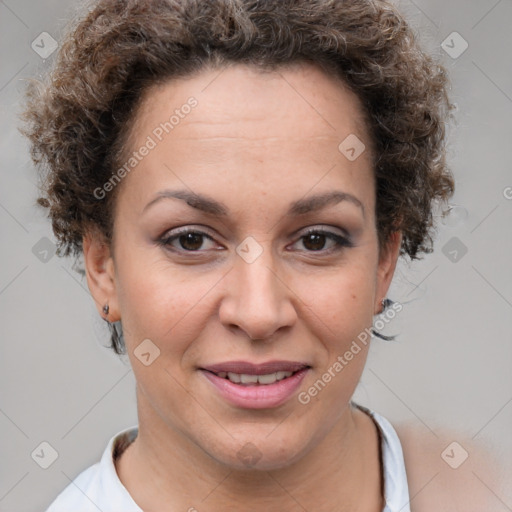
(256, 386)
(254, 380)
(249, 374)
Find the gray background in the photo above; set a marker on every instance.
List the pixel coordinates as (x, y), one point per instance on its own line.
(450, 367)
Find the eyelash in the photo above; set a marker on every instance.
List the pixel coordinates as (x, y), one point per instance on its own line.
(340, 241)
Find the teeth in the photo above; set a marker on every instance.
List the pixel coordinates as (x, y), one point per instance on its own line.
(248, 379)
(234, 377)
(243, 378)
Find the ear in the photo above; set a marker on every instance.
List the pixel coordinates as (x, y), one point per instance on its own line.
(100, 272)
(388, 258)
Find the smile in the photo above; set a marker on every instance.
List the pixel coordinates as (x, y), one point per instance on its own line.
(253, 380)
(254, 386)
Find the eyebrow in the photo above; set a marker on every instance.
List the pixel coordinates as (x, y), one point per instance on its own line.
(215, 208)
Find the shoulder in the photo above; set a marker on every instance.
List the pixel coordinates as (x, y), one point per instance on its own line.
(98, 487)
(80, 495)
(450, 471)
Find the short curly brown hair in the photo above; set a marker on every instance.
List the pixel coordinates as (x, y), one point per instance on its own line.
(77, 120)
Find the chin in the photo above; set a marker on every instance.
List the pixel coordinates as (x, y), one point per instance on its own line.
(259, 449)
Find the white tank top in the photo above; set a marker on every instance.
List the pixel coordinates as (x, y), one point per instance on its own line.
(99, 488)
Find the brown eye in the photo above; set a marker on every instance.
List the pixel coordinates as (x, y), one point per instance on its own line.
(316, 240)
(191, 241)
(185, 240)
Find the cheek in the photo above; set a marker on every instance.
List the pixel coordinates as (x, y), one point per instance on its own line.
(163, 303)
(341, 302)
(341, 320)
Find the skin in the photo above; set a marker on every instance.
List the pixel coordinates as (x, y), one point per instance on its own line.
(256, 142)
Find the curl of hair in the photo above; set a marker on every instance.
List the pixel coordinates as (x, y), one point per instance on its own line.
(77, 120)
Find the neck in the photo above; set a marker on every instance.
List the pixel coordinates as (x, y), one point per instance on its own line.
(340, 470)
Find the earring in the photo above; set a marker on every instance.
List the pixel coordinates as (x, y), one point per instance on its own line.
(105, 310)
(385, 304)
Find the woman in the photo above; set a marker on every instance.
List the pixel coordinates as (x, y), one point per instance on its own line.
(241, 178)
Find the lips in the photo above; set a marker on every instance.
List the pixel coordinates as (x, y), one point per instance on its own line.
(256, 386)
(247, 368)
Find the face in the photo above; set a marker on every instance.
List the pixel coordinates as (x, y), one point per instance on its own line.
(244, 234)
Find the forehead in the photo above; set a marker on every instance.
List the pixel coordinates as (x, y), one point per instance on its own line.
(273, 134)
(238, 96)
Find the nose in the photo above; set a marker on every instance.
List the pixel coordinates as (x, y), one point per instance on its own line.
(257, 299)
